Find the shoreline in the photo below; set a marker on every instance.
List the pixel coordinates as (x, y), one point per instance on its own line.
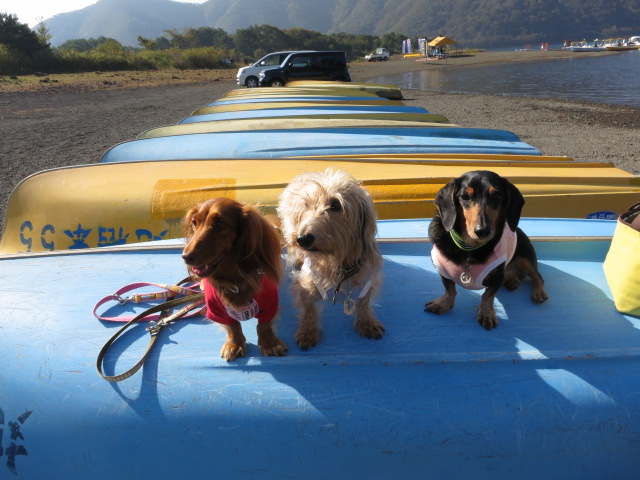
(361, 71)
(59, 125)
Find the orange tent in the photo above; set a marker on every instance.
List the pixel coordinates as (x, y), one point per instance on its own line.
(440, 41)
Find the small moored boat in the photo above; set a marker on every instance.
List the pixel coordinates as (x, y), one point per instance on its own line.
(621, 44)
(584, 46)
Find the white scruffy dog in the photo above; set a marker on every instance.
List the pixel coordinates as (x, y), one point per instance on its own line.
(329, 227)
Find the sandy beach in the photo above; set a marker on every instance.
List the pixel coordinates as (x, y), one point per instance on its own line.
(49, 124)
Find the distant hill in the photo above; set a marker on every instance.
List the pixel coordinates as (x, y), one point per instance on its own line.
(490, 23)
(124, 20)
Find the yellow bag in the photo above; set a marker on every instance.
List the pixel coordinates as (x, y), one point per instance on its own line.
(622, 265)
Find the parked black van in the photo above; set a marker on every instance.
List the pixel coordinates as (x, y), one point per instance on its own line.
(307, 66)
(248, 76)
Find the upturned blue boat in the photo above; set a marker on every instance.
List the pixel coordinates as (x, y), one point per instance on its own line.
(317, 112)
(552, 392)
(275, 144)
(308, 111)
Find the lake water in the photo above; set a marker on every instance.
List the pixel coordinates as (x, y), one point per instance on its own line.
(608, 79)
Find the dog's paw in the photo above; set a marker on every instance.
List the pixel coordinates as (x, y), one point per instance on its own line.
(439, 305)
(230, 351)
(511, 282)
(487, 318)
(307, 339)
(372, 328)
(270, 345)
(273, 348)
(539, 296)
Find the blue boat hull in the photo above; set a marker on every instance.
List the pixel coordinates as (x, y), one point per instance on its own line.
(551, 393)
(303, 112)
(312, 142)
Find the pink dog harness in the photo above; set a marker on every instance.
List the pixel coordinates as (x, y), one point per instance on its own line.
(263, 306)
(471, 276)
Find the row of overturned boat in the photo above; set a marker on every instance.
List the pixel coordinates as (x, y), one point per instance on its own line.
(552, 392)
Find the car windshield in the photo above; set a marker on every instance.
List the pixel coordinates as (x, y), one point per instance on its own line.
(270, 61)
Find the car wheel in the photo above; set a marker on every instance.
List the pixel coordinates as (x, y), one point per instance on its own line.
(252, 82)
(385, 58)
(277, 83)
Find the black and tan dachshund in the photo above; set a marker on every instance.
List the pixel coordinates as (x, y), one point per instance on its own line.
(477, 243)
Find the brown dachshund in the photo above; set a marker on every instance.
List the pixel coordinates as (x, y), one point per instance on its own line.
(236, 252)
(477, 243)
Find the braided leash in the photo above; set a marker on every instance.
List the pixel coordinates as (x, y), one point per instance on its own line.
(191, 300)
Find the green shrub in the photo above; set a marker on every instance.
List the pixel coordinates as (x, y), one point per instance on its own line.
(151, 59)
(204, 57)
(10, 62)
(19, 63)
(74, 61)
(108, 62)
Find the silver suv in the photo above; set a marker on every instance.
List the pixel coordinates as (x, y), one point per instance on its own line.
(248, 76)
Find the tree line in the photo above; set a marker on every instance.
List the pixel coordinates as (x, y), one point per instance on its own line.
(23, 50)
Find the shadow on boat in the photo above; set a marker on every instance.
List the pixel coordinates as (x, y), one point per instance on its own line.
(552, 381)
(537, 352)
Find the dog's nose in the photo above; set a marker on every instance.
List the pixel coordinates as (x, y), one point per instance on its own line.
(305, 241)
(187, 257)
(482, 231)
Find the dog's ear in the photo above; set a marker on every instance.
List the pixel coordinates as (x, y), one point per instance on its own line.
(445, 201)
(367, 216)
(187, 229)
(259, 244)
(514, 203)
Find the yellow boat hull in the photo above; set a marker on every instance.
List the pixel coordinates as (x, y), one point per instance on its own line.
(392, 92)
(236, 107)
(274, 93)
(288, 91)
(114, 204)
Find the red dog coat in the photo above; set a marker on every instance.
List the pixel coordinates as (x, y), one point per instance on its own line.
(263, 306)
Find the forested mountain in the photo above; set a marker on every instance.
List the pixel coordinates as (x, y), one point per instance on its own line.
(472, 23)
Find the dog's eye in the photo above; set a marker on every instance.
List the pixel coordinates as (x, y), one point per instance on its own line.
(219, 225)
(465, 196)
(335, 205)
